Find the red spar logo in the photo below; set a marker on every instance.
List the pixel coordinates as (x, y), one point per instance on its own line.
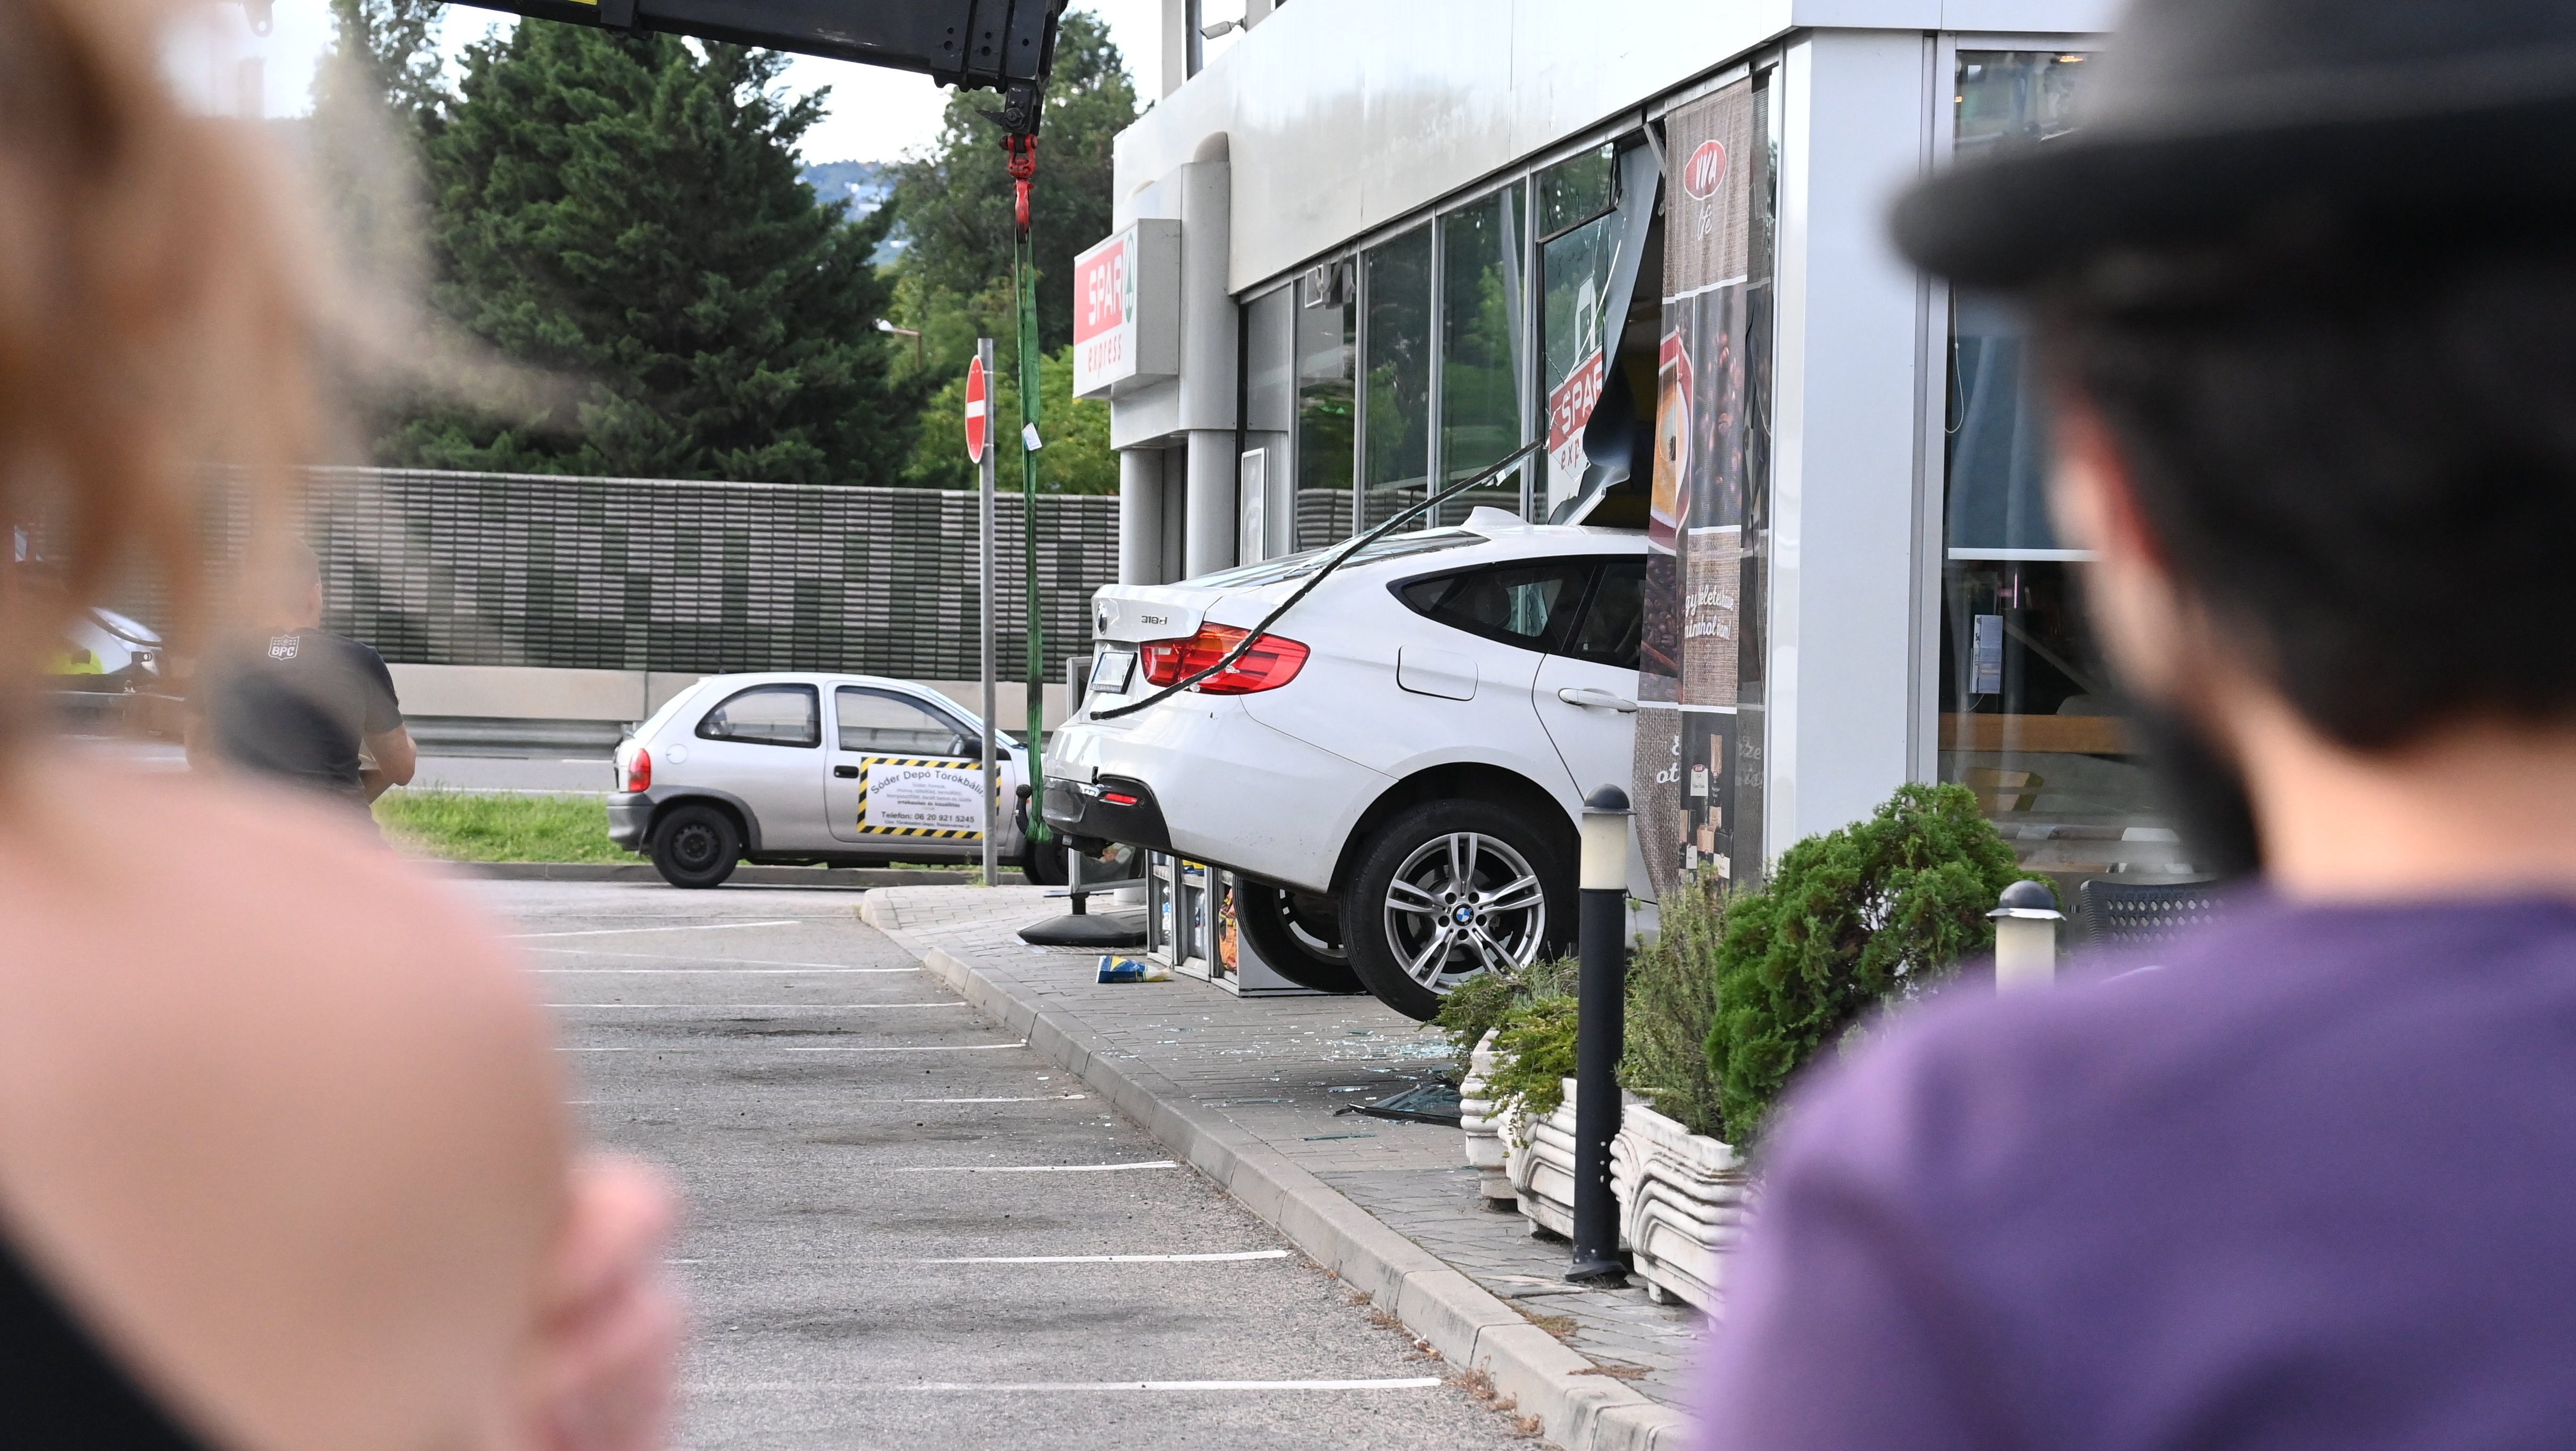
(1705, 169)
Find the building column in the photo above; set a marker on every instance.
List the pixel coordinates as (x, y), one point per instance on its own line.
(1847, 431)
(1140, 516)
(1212, 505)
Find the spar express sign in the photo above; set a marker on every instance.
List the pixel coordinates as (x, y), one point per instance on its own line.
(1126, 309)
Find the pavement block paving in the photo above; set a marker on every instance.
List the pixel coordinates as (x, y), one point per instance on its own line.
(1253, 1091)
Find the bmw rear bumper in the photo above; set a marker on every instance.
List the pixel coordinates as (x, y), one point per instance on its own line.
(1111, 808)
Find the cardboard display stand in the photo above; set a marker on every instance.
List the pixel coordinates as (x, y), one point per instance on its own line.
(1189, 928)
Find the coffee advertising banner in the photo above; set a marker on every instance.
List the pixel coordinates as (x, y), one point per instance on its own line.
(1698, 563)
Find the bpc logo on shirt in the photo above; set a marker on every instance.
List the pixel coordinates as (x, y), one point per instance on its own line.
(284, 647)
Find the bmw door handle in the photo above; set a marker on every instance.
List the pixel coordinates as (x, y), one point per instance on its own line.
(851, 773)
(1594, 698)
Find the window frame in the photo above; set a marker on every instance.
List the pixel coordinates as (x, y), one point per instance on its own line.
(957, 728)
(1583, 614)
(1552, 643)
(813, 699)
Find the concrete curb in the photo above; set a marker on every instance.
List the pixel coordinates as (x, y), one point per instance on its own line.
(1472, 1328)
(848, 878)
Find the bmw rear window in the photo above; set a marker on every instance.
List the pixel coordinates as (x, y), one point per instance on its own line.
(1307, 561)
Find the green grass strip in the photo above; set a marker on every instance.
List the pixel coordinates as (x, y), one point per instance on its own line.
(472, 826)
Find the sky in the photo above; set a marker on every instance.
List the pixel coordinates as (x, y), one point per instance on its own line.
(874, 115)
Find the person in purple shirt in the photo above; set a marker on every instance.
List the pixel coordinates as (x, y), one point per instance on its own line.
(2304, 284)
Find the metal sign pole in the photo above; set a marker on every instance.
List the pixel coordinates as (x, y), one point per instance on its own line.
(984, 491)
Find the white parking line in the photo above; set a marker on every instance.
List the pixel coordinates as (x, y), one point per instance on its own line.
(924, 1048)
(764, 967)
(1037, 1168)
(1207, 1259)
(797, 1048)
(731, 964)
(835, 1099)
(683, 927)
(745, 1007)
(1386, 1383)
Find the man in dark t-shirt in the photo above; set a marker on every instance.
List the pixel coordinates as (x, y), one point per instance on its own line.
(2304, 288)
(302, 705)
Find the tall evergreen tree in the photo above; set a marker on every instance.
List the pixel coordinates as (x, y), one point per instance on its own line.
(953, 281)
(382, 55)
(956, 202)
(625, 214)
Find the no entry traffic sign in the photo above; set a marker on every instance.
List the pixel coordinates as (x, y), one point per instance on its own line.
(978, 412)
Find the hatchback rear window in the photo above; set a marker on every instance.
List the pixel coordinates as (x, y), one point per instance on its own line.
(766, 715)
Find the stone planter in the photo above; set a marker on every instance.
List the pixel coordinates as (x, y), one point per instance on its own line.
(1682, 1200)
(1540, 1160)
(1485, 1130)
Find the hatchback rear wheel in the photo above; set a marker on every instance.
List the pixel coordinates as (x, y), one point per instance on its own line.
(696, 845)
(1449, 890)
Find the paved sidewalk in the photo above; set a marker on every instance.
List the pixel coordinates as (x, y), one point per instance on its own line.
(1269, 1077)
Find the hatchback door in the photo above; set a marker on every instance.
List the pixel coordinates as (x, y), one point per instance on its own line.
(903, 770)
(1586, 690)
(762, 745)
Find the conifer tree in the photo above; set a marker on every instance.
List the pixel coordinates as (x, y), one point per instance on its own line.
(624, 214)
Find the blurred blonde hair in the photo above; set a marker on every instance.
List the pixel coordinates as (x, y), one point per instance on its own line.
(153, 319)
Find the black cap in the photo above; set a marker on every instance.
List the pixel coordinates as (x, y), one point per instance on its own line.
(2204, 117)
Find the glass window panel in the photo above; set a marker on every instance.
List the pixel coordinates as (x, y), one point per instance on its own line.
(1482, 350)
(2014, 96)
(766, 715)
(1574, 273)
(1998, 444)
(1613, 628)
(2029, 721)
(1531, 605)
(872, 720)
(1397, 290)
(1998, 418)
(1578, 189)
(1324, 410)
(1270, 361)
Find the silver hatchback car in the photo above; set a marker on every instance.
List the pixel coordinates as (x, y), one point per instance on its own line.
(804, 769)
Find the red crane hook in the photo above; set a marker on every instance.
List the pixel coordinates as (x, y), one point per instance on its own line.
(1023, 152)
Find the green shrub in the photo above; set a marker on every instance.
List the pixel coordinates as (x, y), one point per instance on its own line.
(1672, 1006)
(1873, 912)
(1483, 1001)
(1536, 1047)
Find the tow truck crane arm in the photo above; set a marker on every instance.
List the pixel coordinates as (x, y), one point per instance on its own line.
(1000, 45)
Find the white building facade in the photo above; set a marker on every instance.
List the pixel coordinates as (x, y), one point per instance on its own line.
(1369, 248)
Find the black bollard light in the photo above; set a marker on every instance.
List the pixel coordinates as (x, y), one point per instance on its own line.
(1601, 930)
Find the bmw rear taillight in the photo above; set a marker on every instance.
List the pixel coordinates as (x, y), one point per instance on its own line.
(639, 770)
(1269, 664)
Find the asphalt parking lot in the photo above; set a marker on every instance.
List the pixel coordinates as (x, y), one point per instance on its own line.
(907, 1230)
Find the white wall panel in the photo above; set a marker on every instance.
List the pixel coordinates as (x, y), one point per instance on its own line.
(2048, 17)
(1345, 115)
(1843, 565)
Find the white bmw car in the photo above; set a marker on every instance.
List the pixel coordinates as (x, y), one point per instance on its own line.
(840, 770)
(1396, 769)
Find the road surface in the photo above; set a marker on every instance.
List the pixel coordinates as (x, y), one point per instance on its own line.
(908, 1231)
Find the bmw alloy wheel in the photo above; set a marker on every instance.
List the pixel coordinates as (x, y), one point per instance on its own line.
(1463, 903)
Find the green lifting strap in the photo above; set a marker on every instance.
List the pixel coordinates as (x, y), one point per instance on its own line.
(1023, 152)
